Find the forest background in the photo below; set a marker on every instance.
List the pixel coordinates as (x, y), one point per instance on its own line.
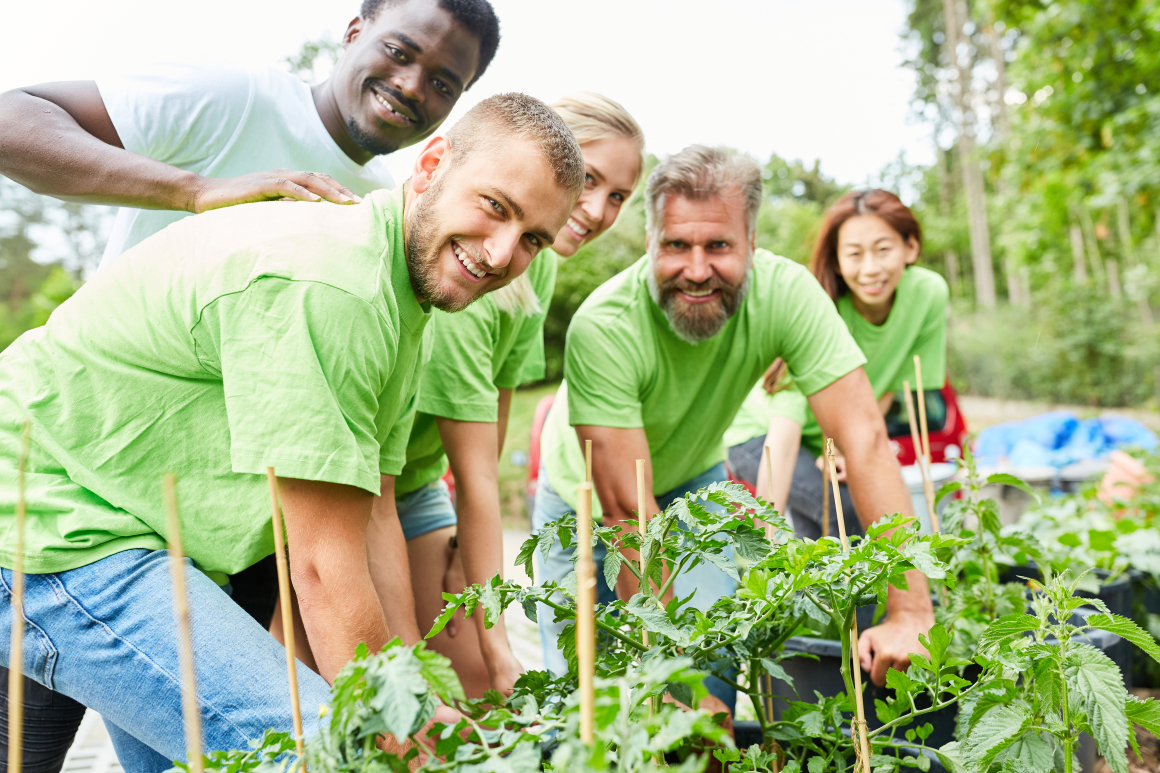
(1042, 208)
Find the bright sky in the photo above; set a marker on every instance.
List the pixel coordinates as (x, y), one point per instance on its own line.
(803, 78)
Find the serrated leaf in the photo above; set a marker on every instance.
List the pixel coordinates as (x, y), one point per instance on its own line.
(612, 562)
(437, 670)
(945, 489)
(653, 616)
(776, 671)
(1145, 713)
(1095, 683)
(1005, 628)
(526, 557)
(951, 757)
(443, 619)
(918, 553)
(994, 732)
(1123, 627)
(1031, 752)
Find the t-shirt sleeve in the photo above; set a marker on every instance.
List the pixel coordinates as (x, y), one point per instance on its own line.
(457, 383)
(814, 341)
(525, 361)
(303, 365)
(602, 375)
(789, 404)
(393, 453)
(183, 115)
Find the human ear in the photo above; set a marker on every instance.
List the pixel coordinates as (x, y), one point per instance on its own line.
(912, 250)
(352, 31)
(430, 163)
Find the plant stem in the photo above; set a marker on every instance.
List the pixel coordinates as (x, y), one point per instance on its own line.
(673, 575)
(602, 626)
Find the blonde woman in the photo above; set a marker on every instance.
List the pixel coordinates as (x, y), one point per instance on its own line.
(479, 356)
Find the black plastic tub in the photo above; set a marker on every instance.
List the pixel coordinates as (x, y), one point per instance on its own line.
(824, 676)
(1117, 595)
(746, 734)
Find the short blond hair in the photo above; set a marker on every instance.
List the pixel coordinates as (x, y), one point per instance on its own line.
(591, 117)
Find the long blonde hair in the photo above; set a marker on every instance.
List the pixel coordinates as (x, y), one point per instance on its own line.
(591, 117)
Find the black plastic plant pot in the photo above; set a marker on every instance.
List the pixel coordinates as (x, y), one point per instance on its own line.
(1117, 595)
(824, 675)
(748, 733)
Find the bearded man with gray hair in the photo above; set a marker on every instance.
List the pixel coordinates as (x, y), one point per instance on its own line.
(659, 359)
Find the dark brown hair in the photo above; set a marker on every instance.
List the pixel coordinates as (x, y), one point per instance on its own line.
(877, 202)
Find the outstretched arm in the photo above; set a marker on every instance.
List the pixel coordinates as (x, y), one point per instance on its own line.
(614, 455)
(847, 412)
(57, 140)
(782, 440)
(389, 568)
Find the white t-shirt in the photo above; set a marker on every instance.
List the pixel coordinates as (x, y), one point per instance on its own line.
(223, 122)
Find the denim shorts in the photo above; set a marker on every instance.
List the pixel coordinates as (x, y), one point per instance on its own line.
(425, 509)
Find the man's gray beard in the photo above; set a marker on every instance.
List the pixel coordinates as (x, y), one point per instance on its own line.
(422, 249)
(697, 326)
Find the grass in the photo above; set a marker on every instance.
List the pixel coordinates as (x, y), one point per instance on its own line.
(513, 502)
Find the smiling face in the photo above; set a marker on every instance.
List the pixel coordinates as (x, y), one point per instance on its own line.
(474, 225)
(872, 257)
(400, 75)
(611, 167)
(701, 262)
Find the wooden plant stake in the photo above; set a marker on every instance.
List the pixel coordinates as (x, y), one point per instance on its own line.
(927, 485)
(189, 707)
(642, 529)
(585, 611)
(825, 493)
(862, 742)
(921, 398)
(16, 659)
(287, 613)
(588, 461)
(769, 477)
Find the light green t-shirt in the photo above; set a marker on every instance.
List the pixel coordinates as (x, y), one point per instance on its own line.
(916, 325)
(625, 368)
(280, 334)
(475, 353)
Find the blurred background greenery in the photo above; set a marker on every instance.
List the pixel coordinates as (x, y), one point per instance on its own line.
(1042, 209)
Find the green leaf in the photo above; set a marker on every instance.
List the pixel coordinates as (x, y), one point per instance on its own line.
(492, 606)
(949, 487)
(612, 562)
(1123, 627)
(437, 670)
(1032, 752)
(994, 732)
(653, 616)
(951, 757)
(1011, 480)
(776, 671)
(1004, 629)
(444, 618)
(918, 553)
(1145, 713)
(527, 554)
(1095, 683)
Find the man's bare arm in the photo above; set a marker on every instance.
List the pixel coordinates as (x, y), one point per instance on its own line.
(326, 524)
(783, 439)
(57, 140)
(390, 569)
(614, 455)
(847, 412)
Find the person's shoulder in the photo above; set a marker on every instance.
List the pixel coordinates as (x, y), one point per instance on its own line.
(928, 285)
(778, 276)
(619, 303)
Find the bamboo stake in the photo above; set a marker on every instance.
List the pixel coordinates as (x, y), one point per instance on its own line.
(287, 613)
(189, 707)
(766, 681)
(860, 721)
(588, 461)
(642, 527)
(585, 610)
(16, 659)
(769, 482)
(925, 440)
(825, 493)
(927, 485)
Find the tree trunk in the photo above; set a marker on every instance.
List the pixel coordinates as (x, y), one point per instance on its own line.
(953, 278)
(1113, 267)
(1093, 246)
(1125, 228)
(1014, 292)
(984, 269)
(1077, 252)
(1000, 77)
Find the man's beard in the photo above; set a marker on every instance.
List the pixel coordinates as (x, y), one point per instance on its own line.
(371, 143)
(697, 322)
(424, 241)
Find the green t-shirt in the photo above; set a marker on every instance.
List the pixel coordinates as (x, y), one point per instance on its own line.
(624, 367)
(475, 353)
(916, 325)
(272, 334)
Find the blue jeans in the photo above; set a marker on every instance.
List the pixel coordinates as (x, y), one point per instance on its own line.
(707, 582)
(105, 636)
(425, 509)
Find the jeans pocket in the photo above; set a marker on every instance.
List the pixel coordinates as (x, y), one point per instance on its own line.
(39, 654)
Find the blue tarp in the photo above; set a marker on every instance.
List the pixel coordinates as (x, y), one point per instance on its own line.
(1059, 438)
